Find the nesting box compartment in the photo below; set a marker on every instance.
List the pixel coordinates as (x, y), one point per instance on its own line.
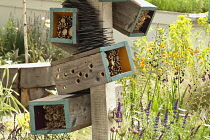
(92, 68)
(60, 113)
(63, 28)
(133, 18)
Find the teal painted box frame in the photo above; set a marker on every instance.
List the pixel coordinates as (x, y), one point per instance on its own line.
(66, 44)
(72, 105)
(130, 70)
(127, 14)
(92, 68)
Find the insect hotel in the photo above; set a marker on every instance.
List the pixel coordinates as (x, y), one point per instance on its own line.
(87, 94)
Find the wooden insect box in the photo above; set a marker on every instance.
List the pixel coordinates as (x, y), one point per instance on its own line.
(63, 28)
(60, 113)
(133, 18)
(92, 68)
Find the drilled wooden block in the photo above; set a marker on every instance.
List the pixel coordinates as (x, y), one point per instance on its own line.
(133, 18)
(63, 27)
(60, 113)
(92, 68)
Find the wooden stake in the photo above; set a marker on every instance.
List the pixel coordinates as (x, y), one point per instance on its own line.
(25, 31)
(103, 96)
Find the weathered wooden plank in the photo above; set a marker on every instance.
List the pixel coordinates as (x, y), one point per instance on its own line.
(36, 77)
(25, 97)
(133, 18)
(76, 113)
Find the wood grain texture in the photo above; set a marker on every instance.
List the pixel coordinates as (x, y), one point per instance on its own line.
(76, 109)
(103, 97)
(124, 15)
(25, 97)
(127, 14)
(79, 74)
(36, 77)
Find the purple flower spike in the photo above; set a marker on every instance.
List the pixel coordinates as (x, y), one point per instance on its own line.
(119, 113)
(203, 78)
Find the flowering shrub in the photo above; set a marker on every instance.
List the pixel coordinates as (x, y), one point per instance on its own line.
(173, 68)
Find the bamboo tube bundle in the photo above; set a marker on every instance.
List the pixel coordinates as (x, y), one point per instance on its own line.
(54, 116)
(143, 16)
(113, 61)
(90, 34)
(64, 27)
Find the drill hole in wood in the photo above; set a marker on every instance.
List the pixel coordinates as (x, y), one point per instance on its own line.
(102, 74)
(64, 87)
(57, 76)
(78, 81)
(72, 71)
(91, 66)
(80, 74)
(98, 79)
(86, 75)
(64, 74)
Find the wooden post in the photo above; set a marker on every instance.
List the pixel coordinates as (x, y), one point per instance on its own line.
(25, 31)
(102, 96)
(102, 99)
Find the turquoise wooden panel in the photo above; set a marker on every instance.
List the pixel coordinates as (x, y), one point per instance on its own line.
(34, 118)
(73, 40)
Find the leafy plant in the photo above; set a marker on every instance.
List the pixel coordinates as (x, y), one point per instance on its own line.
(40, 49)
(8, 103)
(175, 67)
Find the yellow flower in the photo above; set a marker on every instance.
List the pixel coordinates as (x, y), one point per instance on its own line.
(177, 67)
(144, 69)
(196, 51)
(138, 58)
(164, 55)
(142, 65)
(162, 45)
(199, 56)
(160, 70)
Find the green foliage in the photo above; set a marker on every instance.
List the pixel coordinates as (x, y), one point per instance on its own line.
(175, 66)
(11, 41)
(8, 103)
(40, 49)
(185, 6)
